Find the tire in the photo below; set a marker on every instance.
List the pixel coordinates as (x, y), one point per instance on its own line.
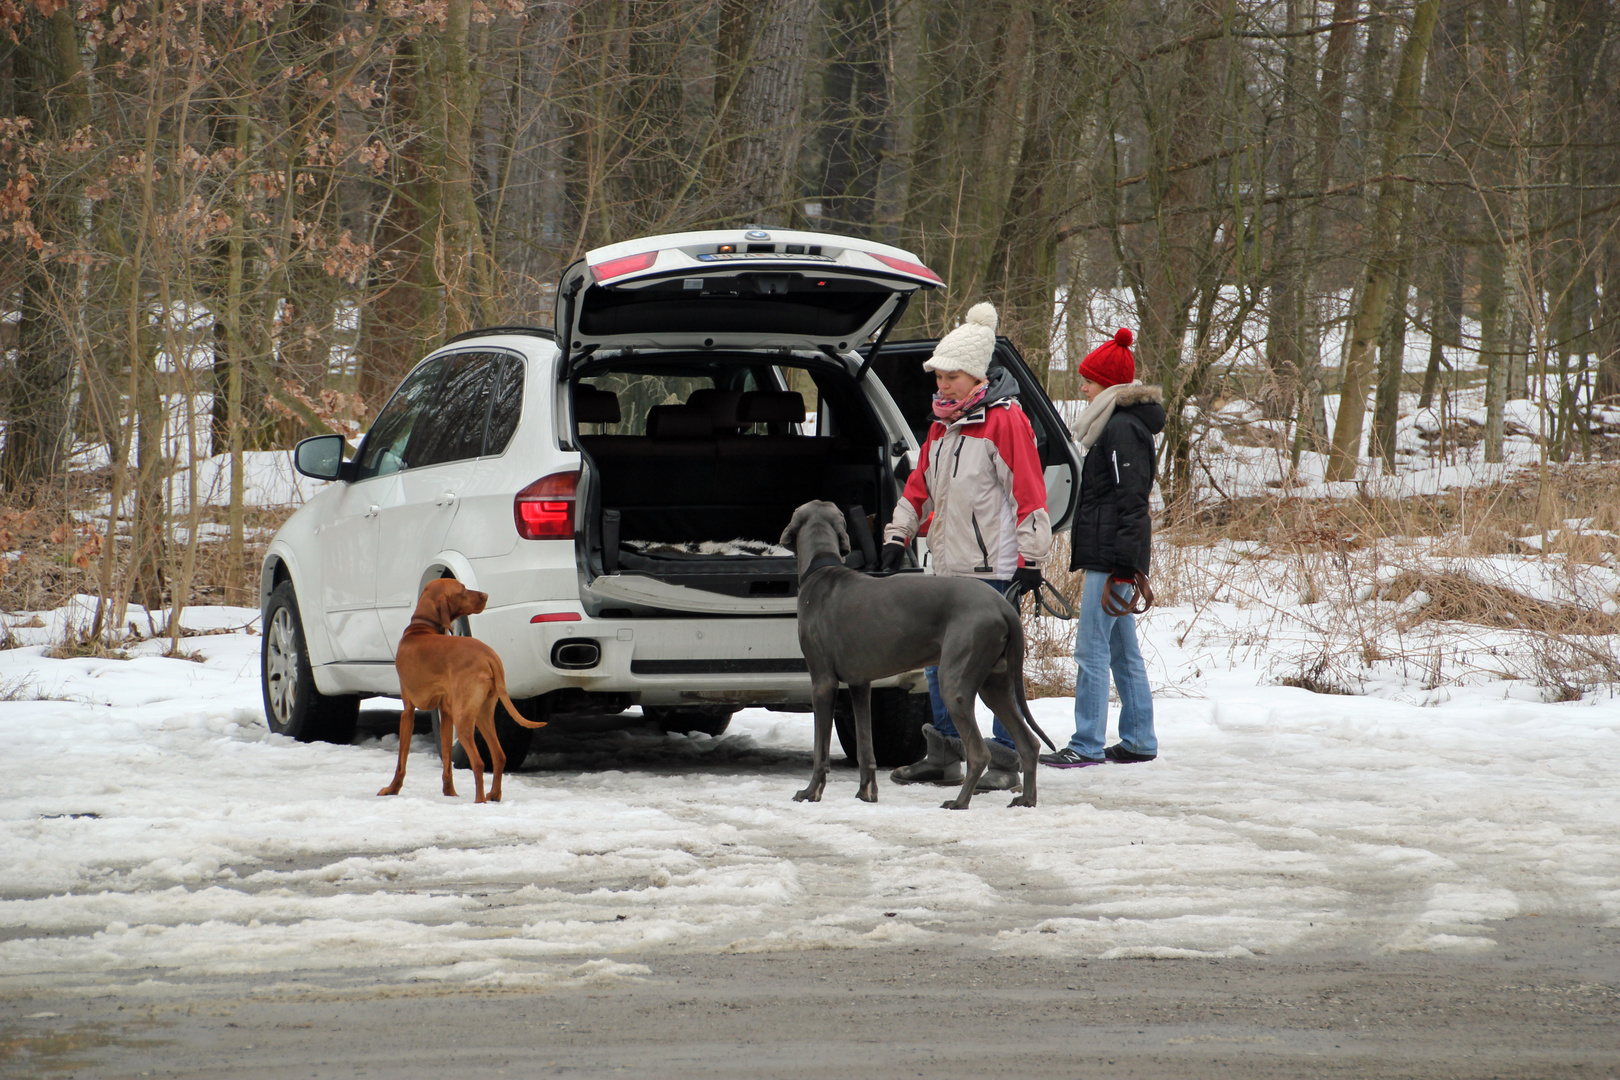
(515, 739)
(680, 719)
(292, 704)
(897, 721)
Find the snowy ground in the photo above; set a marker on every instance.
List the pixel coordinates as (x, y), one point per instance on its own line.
(155, 834)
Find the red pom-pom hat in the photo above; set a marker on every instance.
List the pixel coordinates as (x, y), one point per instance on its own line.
(1111, 362)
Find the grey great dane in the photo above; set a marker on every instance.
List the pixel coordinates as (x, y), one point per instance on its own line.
(855, 629)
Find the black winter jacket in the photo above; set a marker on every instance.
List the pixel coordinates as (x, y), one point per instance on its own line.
(1112, 529)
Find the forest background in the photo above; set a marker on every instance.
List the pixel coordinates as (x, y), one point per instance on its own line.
(226, 225)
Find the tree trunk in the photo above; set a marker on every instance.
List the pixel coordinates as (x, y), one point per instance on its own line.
(1383, 238)
(51, 93)
(535, 224)
(1391, 362)
(764, 48)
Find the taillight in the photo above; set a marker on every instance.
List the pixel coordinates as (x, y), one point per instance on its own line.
(907, 267)
(629, 264)
(545, 509)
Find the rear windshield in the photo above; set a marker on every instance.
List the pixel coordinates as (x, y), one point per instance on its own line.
(766, 303)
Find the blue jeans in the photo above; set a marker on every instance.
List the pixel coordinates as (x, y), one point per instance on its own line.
(942, 717)
(1103, 642)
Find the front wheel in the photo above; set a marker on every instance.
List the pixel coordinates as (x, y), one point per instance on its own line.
(292, 704)
(897, 721)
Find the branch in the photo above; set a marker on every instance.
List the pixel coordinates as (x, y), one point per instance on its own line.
(1356, 185)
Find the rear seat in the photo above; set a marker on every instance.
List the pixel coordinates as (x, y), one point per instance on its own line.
(691, 478)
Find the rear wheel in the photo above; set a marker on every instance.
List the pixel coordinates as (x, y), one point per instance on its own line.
(897, 721)
(292, 704)
(514, 738)
(680, 719)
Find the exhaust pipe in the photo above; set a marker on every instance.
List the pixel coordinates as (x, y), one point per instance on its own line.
(576, 654)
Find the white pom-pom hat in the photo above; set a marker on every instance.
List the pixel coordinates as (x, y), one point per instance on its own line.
(969, 347)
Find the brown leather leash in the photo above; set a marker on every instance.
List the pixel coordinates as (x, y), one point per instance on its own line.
(1137, 602)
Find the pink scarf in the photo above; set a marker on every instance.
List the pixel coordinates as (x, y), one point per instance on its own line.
(948, 412)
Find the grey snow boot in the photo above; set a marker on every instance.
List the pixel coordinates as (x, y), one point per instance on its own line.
(942, 764)
(1004, 773)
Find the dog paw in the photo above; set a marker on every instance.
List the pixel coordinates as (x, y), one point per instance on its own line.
(1023, 800)
(868, 792)
(952, 804)
(807, 795)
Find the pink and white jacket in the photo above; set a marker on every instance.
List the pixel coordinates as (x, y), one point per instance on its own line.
(981, 478)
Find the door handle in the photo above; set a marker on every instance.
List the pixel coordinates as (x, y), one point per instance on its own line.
(447, 499)
(371, 511)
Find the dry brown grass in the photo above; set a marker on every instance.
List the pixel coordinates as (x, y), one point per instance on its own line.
(1475, 521)
(1049, 642)
(1368, 557)
(53, 547)
(1456, 597)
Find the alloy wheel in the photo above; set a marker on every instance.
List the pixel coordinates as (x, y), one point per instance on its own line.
(281, 666)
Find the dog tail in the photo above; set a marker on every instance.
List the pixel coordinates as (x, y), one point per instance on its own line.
(1014, 657)
(511, 709)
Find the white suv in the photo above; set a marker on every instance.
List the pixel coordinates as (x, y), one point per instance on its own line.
(619, 494)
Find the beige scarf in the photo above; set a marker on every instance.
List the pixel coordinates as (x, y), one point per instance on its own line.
(1089, 427)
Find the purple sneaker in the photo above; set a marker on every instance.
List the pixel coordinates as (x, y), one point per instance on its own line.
(1067, 758)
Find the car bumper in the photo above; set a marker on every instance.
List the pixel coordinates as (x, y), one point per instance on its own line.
(745, 661)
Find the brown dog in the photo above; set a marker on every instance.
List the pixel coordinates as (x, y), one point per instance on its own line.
(460, 676)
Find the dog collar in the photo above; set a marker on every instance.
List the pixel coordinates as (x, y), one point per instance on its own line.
(425, 621)
(820, 562)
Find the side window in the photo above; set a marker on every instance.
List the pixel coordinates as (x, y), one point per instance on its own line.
(384, 451)
(507, 407)
(450, 426)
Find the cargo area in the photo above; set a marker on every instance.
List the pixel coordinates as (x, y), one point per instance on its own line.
(696, 466)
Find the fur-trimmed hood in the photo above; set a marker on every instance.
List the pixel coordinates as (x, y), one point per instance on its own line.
(1138, 394)
(1144, 402)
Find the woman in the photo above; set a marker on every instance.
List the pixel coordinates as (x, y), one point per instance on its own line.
(980, 476)
(1111, 537)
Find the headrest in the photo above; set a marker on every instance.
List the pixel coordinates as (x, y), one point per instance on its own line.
(595, 406)
(771, 406)
(678, 422)
(721, 405)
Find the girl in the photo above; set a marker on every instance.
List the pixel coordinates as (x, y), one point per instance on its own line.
(1111, 537)
(981, 476)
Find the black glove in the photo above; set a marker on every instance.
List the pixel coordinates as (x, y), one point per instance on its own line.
(1124, 573)
(1029, 577)
(893, 557)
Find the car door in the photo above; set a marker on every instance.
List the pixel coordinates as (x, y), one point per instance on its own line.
(899, 367)
(350, 542)
(440, 456)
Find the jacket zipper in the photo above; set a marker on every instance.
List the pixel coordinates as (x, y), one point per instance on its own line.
(956, 458)
(1117, 480)
(984, 566)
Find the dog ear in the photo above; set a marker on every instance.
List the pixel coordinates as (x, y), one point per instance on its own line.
(791, 533)
(445, 596)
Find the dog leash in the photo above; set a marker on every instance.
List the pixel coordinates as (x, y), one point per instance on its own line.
(1047, 599)
(1137, 602)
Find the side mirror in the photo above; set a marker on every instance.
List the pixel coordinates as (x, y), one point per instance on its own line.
(320, 457)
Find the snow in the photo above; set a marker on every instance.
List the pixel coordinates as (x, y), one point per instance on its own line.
(156, 833)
